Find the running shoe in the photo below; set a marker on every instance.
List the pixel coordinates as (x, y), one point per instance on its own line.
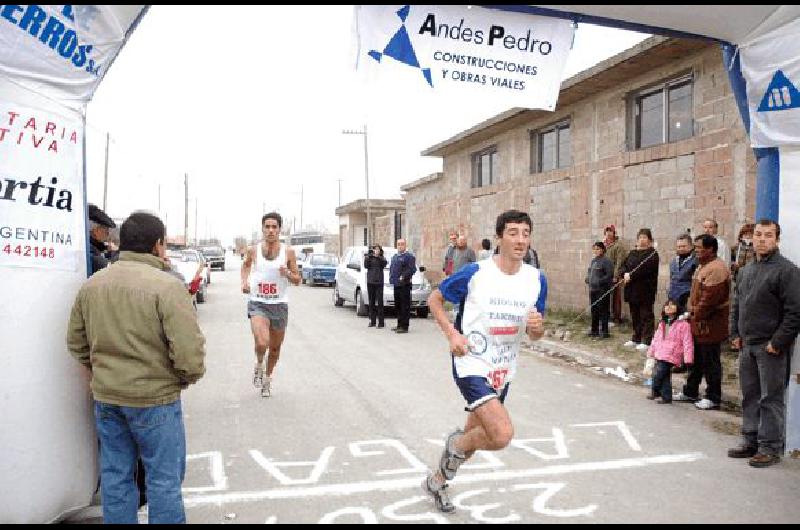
(258, 376)
(266, 389)
(440, 496)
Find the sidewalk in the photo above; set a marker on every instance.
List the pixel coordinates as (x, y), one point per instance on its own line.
(609, 357)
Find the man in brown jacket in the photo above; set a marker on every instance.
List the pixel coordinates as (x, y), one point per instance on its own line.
(709, 307)
(616, 251)
(134, 328)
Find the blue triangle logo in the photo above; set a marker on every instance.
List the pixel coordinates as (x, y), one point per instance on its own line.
(781, 95)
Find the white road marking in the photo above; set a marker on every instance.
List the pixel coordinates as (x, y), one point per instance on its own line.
(409, 483)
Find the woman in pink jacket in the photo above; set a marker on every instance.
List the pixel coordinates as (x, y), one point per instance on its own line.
(672, 346)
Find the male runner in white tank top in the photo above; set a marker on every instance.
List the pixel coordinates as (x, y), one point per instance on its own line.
(268, 269)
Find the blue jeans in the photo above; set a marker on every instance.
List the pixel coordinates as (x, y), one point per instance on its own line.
(156, 435)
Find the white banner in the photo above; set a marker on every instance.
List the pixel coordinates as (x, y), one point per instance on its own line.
(456, 51)
(62, 50)
(771, 68)
(41, 199)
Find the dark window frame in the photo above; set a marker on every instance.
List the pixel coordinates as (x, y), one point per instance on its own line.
(663, 88)
(477, 167)
(537, 146)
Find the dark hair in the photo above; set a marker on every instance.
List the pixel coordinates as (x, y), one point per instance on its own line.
(645, 232)
(675, 303)
(747, 227)
(486, 244)
(600, 245)
(272, 215)
(708, 241)
(140, 232)
(511, 216)
(686, 237)
(769, 222)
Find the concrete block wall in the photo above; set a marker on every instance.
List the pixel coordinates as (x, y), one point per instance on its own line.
(668, 187)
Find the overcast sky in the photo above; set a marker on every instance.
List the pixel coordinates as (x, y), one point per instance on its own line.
(251, 103)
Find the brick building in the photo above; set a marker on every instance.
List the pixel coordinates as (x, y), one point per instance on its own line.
(648, 138)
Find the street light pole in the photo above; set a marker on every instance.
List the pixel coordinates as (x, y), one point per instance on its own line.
(366, 180)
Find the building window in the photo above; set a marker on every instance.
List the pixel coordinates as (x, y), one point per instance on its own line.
(551, 148)
(484, 167)
(663, 113)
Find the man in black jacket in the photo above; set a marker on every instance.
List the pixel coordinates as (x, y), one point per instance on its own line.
(401, 271)
(99, 225)
(374, 262)
(600, 279)
(765, 319)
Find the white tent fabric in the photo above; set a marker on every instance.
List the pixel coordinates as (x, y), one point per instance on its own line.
(736, 24)
(52, 59)
(63, 51)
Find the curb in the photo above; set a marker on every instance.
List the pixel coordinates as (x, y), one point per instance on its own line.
(608, 366)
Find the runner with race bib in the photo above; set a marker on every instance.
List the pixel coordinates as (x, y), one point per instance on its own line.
(499, 300)
(268, 269)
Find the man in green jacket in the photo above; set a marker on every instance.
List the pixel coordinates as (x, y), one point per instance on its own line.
(133, 326)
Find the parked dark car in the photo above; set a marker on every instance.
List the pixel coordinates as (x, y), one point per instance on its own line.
(215, 256)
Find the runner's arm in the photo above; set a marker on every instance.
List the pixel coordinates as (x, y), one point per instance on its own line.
(246, 266)
(293, 274)
(458, 342)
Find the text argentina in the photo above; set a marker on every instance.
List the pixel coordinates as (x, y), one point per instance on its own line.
(35, 234)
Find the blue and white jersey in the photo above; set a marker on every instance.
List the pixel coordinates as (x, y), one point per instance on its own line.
(493, 313)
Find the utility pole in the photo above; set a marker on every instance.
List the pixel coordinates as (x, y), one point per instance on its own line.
(105, 179)
(186, 209)
(366, 179)
(340, 191)
(301, 207)
(195, 221)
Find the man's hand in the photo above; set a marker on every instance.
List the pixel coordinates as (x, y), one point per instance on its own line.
(246, 287)
(459, 345)
(535, 325)
(627, 277)
(737, 343)
(772, 351)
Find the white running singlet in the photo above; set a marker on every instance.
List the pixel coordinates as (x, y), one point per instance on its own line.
(266, 283)
(493, 314)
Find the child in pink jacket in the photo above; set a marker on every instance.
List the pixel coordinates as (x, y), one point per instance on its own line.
(672, 345)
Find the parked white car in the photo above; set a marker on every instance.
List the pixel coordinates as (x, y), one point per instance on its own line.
(350, 284)
(186, 262)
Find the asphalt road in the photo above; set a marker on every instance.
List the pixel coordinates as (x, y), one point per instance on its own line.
(357, 414)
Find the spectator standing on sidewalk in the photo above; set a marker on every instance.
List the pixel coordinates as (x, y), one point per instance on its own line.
(709, 310)
(640, 272)
(672, 346)
(765, 321)
(135, 329)
(744, 252)
(616, 251)
(447, 266)
(600, 278)
(711, 228)
(462, 254)
(375, 264)
(681, 270)
(486, 250)
(401, 273)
